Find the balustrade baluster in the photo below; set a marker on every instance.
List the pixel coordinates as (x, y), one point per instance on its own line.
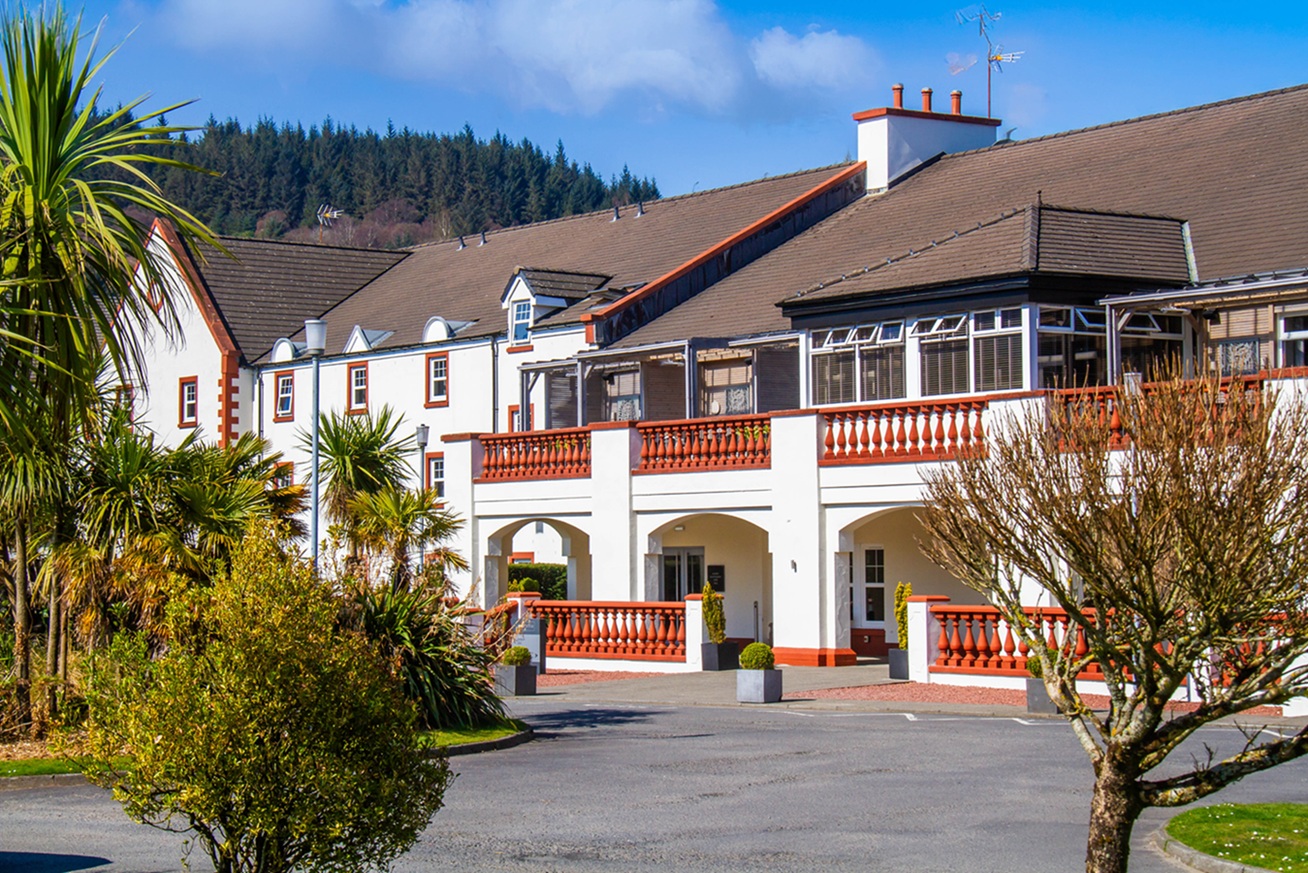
(943, 658)
(955, 645)
(842, 442)
(829, 440)
(1008, 661)
(901, 432)
(970, 645)
(938, 448)
(915, 437)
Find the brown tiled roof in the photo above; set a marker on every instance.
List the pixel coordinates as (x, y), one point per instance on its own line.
(1036, 239)
(271, 287)
(1236, 171)
(557, 283)
(467, 285)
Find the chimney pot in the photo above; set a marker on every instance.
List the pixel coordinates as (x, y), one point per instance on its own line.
(956, 102)
(926, 99)
(898, 91)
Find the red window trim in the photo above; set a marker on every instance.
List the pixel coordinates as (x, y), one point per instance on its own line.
(182, 420)
(531, 416)
(426, 380)
(350, 408)
(522, 557)
(516, 350)
(277, 380)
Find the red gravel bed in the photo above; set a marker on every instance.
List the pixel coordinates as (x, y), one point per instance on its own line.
(576, 677)
(918, 692)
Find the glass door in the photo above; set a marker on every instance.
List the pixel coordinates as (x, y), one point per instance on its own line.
(683, 572)
(868, 600)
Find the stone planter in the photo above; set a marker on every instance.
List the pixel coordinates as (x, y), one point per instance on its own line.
(1037, 698)
(898, 663)
(517, 681)
(758, 686)
(719, 656)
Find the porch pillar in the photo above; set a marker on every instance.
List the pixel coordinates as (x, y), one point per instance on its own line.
(805, 602)
(923, 636)
(615, 568)
(696, 633)
(463, 463)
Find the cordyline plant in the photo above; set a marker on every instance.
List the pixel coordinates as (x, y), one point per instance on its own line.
(1176, 543)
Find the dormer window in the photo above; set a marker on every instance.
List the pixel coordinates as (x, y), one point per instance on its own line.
(520, 327)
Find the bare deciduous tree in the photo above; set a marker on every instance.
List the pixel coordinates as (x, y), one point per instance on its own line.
(1171, 523)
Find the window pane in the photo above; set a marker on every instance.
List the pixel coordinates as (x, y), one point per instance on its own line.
(999, 362)
(883, 372)
(833, 378)
(874, 578)
(944, 367)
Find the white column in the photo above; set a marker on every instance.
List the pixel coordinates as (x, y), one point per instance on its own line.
(801, 599)
(923, 636)
(696, 633)
(463, 460)
(616, 572)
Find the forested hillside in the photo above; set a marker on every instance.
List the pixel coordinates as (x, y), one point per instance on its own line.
(395, 189)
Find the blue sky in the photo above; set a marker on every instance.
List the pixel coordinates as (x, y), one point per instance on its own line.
(694, 93)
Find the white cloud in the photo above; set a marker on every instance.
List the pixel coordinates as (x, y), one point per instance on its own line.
(562, 55)
(824, 60)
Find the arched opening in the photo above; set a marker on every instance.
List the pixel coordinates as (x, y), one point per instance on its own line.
(522, 538)
(731, 553)
(880, 551)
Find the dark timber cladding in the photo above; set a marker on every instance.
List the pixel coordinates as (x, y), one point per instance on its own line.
(795, 218)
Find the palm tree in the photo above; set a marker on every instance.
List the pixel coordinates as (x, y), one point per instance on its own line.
(79, 276)
(361, 454)
(392, 521)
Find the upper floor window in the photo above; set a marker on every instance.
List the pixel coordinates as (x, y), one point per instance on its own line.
(285, 406)
(1294, 340)
(284, 475)
(997, 349)
(727, 387)
(521, 326)
(357, 384)
(864, 363)
(516, 423)
(188, 402)
(438, 379)
(622, 396)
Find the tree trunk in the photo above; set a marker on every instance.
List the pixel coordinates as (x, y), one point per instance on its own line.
(22, 632)
(1114, 809)
(52, 636)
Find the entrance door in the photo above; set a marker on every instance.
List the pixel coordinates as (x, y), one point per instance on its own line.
(867, 600)
(683, 572)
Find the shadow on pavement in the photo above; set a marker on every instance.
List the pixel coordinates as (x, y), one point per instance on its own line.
(547, 723)
(43, 862)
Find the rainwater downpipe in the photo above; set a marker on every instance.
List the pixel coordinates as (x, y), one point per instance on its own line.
(495, 385)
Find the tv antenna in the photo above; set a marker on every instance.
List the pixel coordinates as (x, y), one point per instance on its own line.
(326, 214)
(996, 57)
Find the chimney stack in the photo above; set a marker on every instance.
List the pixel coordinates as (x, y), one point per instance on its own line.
(893, 140)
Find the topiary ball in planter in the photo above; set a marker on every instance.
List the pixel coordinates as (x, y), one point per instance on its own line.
(515, 675)
(758, 681)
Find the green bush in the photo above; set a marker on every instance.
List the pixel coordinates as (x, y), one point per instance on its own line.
(757, 656)
(516, 656)
(265, 728)
(550, 580)
(442, 666)
(715, 618)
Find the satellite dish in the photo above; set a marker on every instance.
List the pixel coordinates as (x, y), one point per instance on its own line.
(959, 63)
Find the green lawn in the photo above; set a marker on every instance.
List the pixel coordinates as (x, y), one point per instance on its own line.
(429, 739)
(435, 739)
(1273, 836)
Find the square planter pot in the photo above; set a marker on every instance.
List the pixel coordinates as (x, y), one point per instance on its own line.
(758, 686)
(1037, 698)
(719, 656)
(898, 663)
(518, 681)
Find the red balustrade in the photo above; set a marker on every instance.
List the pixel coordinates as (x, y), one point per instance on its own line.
(598, 629)
(549, 454)
(1103, 402)
(886, 433)
(976, 639)
(705, 444)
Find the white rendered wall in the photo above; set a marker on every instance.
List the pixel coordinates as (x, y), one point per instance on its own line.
(894, 144)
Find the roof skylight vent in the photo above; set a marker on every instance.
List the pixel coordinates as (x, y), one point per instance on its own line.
(483, 239)
(616, 213)
(462, 245)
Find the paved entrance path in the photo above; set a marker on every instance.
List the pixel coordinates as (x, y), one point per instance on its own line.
(618, 785)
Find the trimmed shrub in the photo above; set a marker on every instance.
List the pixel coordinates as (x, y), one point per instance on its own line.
(715, 618)
(549, 580)
(903, 591)
(757, 656)
(516, 656)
